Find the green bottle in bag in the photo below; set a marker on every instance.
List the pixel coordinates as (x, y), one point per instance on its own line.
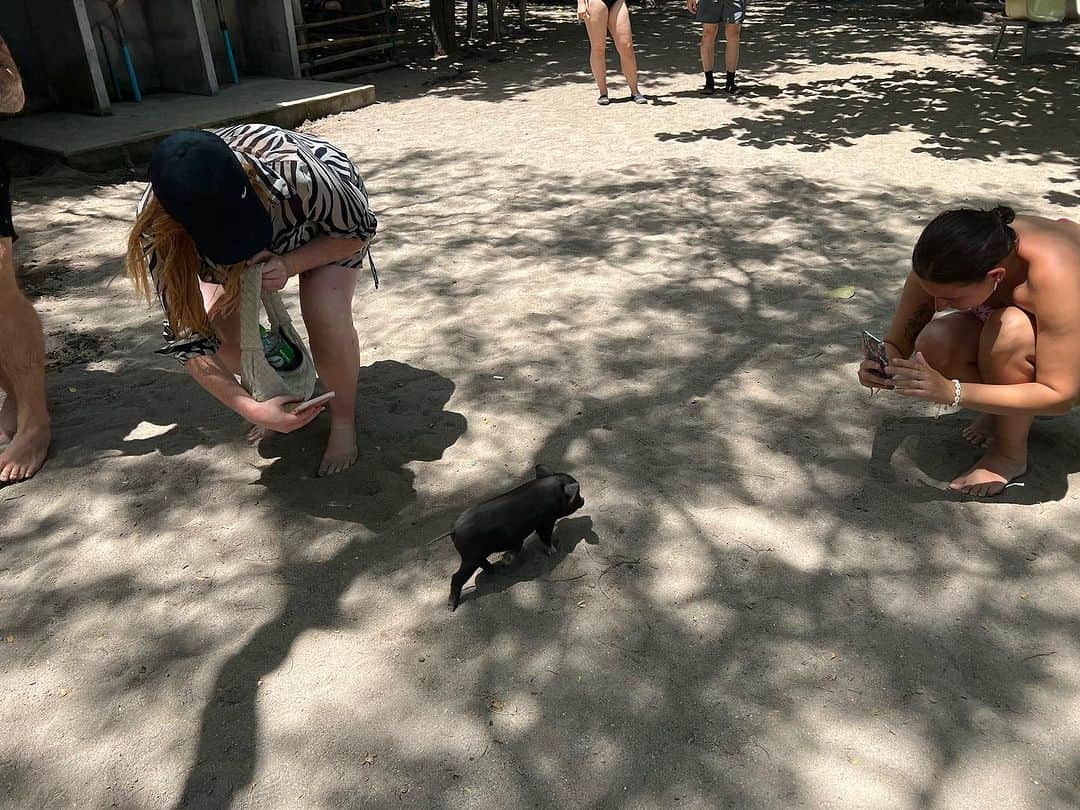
(280, 354)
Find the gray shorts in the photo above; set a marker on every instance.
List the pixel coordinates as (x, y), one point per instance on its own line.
(721, 11)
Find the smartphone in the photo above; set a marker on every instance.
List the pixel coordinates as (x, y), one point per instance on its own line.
(874, 349)
(311, 403)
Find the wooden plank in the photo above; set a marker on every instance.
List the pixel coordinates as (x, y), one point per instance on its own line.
(356, 71)
(340, 57)
(354, 18)
(337, 43)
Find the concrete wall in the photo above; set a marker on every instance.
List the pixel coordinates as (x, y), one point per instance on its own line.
(269, 38)
(139, 40)
(53, 41)
(175, 45)
(217, 41)
(168, 43)
(181, 46)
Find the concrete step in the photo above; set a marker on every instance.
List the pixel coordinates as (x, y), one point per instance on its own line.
(126, 137)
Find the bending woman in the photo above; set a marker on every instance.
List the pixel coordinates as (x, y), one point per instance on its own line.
(600, 17)
(1011, 348)
(221, 201)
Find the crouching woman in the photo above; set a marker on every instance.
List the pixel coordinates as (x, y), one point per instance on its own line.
(1009, 347)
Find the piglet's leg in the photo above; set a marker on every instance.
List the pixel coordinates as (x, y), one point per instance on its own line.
(458, 580)
(546, 533)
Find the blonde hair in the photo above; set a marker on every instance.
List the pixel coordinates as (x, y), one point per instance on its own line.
(176, 270)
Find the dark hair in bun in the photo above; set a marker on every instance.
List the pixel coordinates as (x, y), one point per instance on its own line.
(963, 245)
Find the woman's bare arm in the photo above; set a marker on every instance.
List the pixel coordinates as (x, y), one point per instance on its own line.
(913, 312)
(1055, 299)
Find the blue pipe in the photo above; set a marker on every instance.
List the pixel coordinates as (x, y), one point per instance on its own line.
(131, 71)
(229, 53)
(135, 90)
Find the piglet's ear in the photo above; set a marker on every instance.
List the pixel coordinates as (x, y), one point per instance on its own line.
(571, 489)
(542, 471)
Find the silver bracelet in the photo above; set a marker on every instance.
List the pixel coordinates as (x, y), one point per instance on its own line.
(954, 405)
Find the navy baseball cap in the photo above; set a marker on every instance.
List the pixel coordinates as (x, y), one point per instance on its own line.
(202, 185)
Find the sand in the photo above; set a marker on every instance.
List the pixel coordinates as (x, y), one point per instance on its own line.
(768, 600)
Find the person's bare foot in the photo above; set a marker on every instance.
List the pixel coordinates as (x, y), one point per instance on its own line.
(341, 450)
(990, 475)
(25, 455)
(980, 432)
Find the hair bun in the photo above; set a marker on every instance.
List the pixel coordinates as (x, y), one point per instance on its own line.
(1004, 213)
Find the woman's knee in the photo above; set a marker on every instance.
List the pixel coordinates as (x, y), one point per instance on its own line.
(328, 287)
(936, 343)
(708, 33)
(732, 33)
(624, 44)
(1008, 342)
(227, 329)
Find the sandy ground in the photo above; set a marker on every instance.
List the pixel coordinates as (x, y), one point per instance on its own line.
(768, 601)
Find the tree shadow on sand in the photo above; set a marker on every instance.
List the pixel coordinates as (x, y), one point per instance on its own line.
(402, 420)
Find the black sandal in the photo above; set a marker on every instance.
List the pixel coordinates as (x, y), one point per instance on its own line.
(603, 101)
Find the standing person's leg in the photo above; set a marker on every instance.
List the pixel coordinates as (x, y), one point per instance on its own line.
(326, 296)
(732, 33)
(708, 54)
(24, 418)
(621, 34)
(596, 24)
(734, 13)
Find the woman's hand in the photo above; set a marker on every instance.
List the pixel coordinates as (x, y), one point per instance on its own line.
(871, 374)
(583, 10)
(272, 414)
(691, 6)
(914, 378)
(275, 271)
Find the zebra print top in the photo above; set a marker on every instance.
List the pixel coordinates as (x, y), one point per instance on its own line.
(313, 188)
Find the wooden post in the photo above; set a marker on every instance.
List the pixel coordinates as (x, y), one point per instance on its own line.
(521, 11)
(301, 33)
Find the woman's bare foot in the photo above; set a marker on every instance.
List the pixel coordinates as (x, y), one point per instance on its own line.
(341, 449)
(980, 432)
(990, 475)
(25, 455)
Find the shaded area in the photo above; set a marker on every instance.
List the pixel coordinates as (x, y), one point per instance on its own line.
(957, 116)
(679, 651)
(768, 602)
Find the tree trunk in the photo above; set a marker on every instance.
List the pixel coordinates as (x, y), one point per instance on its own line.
(495, 16)
(443, 29)
(470, 20)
